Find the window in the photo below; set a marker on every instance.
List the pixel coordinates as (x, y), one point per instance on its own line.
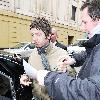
(73, 12)
(31, 46)
(5, 4)
(17, 3)
(33, 5)
(45, 5)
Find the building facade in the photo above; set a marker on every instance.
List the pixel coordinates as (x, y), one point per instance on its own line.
(16, 15)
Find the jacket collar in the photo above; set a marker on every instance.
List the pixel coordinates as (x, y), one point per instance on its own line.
(45, 49)
(92, 42)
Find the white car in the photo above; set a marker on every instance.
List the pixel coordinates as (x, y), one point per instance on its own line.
(76, 47)
(24, 49)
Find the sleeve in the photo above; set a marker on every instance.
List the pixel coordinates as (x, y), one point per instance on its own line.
(60, 86)
(79, 58)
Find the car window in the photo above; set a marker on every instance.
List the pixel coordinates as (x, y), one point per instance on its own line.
(31, 46)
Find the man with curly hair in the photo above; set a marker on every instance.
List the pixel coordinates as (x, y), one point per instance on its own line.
(45, 55)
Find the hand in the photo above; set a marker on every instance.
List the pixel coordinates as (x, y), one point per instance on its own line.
(64, 63)
(61, 66)
(67, 60)
(25, 80)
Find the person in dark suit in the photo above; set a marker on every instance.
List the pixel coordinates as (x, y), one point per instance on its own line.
(54, 40)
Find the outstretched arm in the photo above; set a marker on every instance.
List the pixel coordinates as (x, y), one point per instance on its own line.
(61, 86)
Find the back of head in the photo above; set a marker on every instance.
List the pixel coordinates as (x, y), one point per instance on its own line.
(93, 8)
(42, 24)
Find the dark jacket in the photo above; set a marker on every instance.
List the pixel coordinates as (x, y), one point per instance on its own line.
(4, 98)
(89, 45)
(87, 86)
(61, 45)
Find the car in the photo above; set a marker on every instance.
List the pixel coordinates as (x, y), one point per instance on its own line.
(23, 49)
(77, 46)
(10, 71)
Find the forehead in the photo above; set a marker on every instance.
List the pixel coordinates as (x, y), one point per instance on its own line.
(85, 14)
(36, 31)
(85, 11)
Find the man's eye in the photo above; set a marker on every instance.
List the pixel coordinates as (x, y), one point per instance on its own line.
(84, 22)
(32, 34)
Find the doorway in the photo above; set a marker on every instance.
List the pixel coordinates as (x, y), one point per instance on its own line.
(70, 39)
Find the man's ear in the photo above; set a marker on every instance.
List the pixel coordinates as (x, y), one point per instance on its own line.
(49, 37)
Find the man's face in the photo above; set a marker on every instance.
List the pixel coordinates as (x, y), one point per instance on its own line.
(87, 23)
(38, 37)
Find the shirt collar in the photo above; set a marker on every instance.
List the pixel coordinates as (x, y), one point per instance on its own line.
(45, 49)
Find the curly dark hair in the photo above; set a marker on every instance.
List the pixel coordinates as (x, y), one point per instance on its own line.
(93, 8)
(42, 24)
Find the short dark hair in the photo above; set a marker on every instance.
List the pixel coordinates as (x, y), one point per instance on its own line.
(93, 8)
(41, 23)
